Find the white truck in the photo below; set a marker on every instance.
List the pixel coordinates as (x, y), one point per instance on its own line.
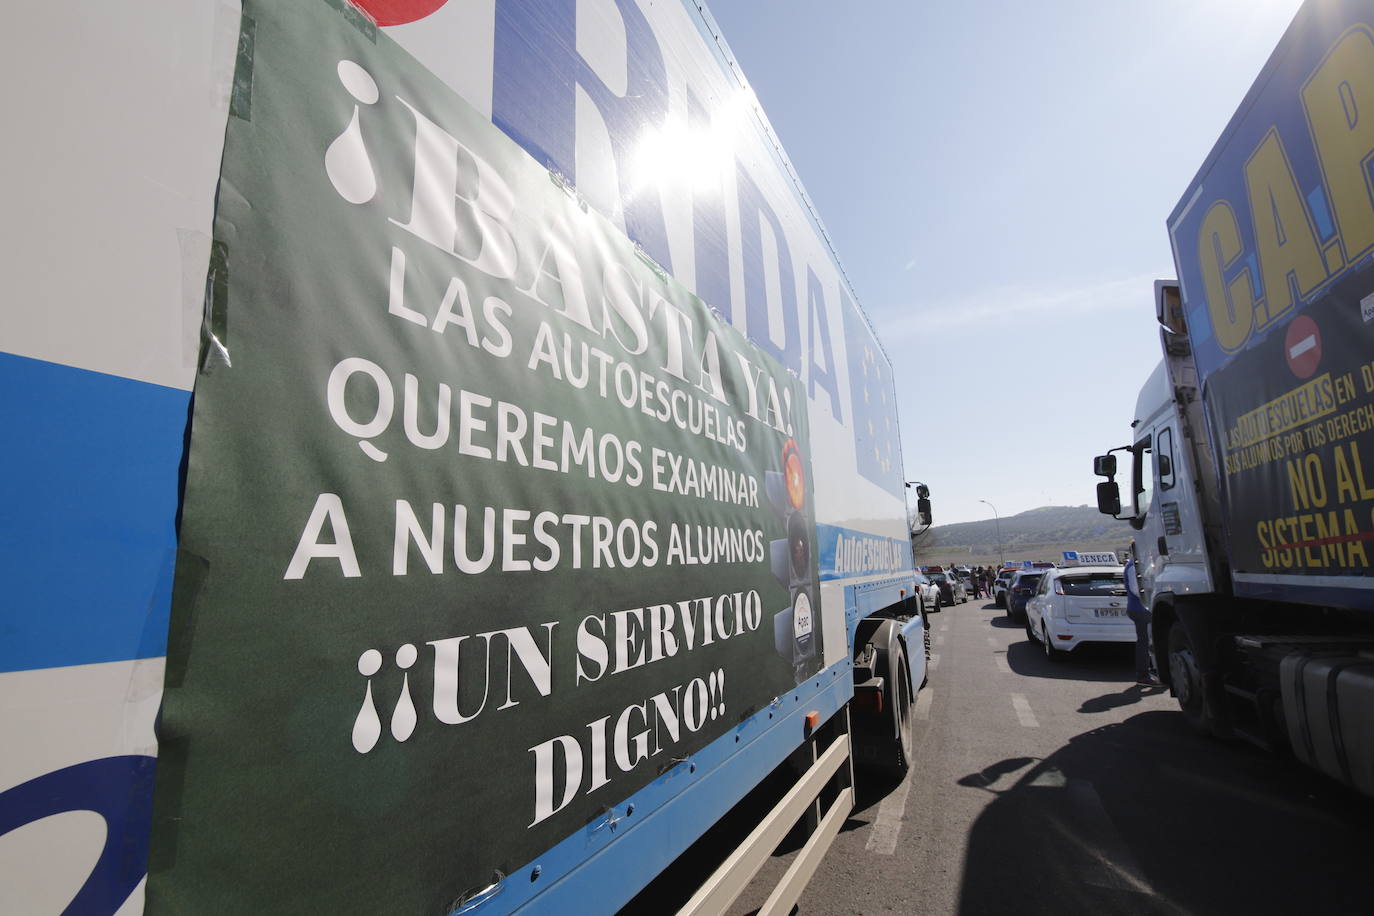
(447, 468)
(1250, 474)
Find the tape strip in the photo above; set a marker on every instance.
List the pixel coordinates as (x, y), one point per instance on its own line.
(173, 733)
(355, 17)
(215, 327)
(241, 95)
(191, 573)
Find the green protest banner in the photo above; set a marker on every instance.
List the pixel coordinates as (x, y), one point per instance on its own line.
(487, 521)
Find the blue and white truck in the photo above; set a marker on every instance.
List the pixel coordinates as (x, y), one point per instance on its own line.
(1250, 474)
(447, 467)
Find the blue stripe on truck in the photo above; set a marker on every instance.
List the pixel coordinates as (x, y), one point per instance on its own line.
(89, 477)
(844, 553)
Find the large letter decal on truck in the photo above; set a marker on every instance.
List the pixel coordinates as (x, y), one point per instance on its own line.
(544, 97)
(479, 514)
(1339, 101)
(1283, 218)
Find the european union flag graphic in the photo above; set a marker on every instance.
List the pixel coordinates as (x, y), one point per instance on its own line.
(874, 411)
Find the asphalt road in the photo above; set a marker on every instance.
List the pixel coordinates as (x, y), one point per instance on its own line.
(1050, 788)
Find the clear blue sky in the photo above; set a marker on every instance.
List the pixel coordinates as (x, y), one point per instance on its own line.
(996, 176)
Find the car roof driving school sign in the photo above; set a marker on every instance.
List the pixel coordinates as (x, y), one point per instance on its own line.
(1080, 558)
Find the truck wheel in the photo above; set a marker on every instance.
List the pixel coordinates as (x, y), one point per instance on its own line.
(1051, 652)
(898, 759)
(925, 635)
(1185, 677)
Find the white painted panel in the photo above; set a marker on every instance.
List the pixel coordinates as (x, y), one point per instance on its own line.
(118, 113)
(56, 717)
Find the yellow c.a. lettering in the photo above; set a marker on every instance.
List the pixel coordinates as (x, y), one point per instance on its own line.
(1285, 239)
(1232, 306)
(1336, 99)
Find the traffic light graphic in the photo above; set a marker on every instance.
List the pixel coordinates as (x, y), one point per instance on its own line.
(794, 627)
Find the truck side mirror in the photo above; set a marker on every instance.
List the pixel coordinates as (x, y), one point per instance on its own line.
(1105, 466)
(923, 511)
(1109, 497)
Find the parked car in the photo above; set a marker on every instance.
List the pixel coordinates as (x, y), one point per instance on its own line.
(999, 586)
(1019, 590)
(1077, 605)
(951, 589)
(928, 592)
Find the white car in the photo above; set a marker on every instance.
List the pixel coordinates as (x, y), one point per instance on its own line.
(1000, 586)
(1078, 604)
(928, 592)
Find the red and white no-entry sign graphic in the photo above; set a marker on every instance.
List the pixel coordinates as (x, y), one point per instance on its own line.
(1302, 346)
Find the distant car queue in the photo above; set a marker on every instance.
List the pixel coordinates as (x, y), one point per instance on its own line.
(1083, 601)
(1010, 587)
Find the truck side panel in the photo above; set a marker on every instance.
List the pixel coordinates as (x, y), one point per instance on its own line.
(600, 94)
(1273, 243)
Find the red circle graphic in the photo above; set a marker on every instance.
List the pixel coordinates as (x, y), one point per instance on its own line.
(398, 12)
(1302, 346)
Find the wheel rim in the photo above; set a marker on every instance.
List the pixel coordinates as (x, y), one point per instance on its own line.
(1183, 671)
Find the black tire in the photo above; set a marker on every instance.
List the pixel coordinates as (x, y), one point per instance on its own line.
(897, 760)
(1051, 653)
(936, 609)
(1030, 633)
(1001, 601)
(1187, 681)
(925, 638)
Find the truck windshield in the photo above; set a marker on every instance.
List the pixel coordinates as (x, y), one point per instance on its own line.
(1095, 584)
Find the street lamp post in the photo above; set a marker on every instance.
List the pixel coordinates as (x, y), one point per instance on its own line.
(1001, 558)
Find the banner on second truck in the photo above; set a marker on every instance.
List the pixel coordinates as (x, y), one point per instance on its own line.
(1273, 245)
(488, 523)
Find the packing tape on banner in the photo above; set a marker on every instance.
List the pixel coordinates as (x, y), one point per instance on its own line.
(357, 17)
(215, 315)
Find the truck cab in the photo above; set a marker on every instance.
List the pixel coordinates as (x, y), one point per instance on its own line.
(1158, 490)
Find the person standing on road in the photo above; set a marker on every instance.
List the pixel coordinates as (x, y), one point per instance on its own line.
(1145, 673)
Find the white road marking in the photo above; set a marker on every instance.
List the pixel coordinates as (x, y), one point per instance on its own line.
(1298, 349)
(882, 839)
(934, 660)
(923, 701)
(1002, 665)
(1023, 711)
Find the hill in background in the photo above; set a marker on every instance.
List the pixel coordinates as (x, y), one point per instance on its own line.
(1037, 534)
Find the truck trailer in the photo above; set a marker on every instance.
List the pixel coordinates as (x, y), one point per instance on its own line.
(1250, 470)
(448, 468)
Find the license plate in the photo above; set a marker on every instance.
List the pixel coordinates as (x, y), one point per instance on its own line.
(1109, 612)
